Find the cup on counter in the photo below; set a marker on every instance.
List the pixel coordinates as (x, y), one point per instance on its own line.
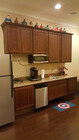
(42, 73)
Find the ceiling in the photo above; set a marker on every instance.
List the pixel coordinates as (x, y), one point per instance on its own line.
(44, 9)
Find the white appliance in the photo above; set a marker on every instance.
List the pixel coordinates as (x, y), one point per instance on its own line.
(6, 90)
(41, 95)
(42, 73)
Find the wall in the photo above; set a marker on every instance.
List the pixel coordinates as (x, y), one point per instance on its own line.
(24, 69)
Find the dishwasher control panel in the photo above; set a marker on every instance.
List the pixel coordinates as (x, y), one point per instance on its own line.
(41, 85)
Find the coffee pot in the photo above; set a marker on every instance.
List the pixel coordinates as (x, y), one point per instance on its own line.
(33, 73)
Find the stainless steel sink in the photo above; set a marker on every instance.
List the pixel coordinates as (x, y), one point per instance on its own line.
(53, 77)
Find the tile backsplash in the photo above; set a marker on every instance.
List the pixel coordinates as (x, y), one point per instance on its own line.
(22, 69)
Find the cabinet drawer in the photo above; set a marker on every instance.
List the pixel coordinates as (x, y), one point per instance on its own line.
(57, 89)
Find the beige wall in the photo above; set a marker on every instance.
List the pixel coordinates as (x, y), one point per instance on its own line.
(21, 71)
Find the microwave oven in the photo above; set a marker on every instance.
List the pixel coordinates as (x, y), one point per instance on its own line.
(38, 58)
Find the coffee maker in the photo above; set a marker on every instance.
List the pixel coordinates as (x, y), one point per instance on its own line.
(34, 74)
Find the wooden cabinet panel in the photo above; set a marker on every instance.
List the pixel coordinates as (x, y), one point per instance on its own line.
(66, 47)
(23, 97)
(17, 39)
(26, 37)
(54, 47)
(72, 85)
(31, 95)
(60, 47)
(12, 39)
(40, 41)
(57, 89)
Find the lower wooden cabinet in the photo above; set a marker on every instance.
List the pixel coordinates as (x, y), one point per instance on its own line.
(23, 97)
(57, 89)
(62, 88)
(72, 85)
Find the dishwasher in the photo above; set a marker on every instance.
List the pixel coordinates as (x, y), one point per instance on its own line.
(41, 95)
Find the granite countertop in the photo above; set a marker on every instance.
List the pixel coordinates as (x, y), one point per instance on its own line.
(27, 82)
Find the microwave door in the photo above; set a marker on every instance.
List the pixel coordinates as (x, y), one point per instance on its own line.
(38, 58)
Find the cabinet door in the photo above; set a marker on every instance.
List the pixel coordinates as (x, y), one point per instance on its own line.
(26, 37)
(12, 39)
(23, 97)
(57, 89)
(40, 42)
(31, 95)
(66, 47)
(72, 85)
(54, 47)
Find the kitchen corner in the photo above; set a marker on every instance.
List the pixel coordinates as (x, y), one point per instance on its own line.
(34, 60)
(39, 71)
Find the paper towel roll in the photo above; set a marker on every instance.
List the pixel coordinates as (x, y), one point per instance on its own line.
(42, 73)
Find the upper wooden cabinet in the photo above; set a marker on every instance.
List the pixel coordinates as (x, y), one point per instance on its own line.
(17, 39)
(54, 47)
(12, 39)
(66, 47)
(60, 47)
(26, 38)
(40, 42)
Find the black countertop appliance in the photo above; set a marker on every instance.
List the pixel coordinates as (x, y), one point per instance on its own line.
(34, 74)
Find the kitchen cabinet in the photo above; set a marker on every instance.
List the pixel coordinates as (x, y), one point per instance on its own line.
(72, 85)
(26, 38)
(23, 97)
(66, 47)
(17, 39)
(40, 41)
(55, 47)
(60, 47)
(57, 89)
(12, 39)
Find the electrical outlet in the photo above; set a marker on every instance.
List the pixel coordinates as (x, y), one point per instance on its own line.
(18, 59)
